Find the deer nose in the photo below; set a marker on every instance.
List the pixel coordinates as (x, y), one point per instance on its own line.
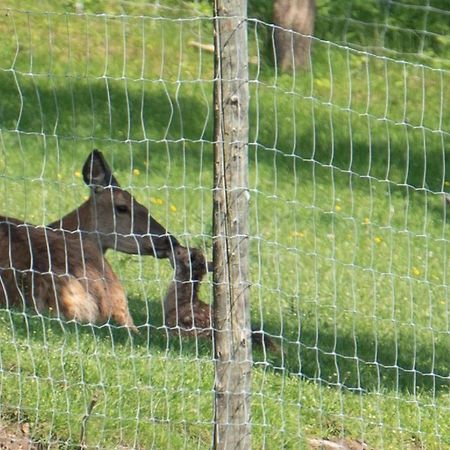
(165, 246)
(173, 241)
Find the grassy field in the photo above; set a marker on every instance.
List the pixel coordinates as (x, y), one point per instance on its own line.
(349, 235)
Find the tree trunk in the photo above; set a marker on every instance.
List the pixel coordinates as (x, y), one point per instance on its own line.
(292, 48)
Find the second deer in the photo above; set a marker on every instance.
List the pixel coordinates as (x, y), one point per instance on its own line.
(184, 312)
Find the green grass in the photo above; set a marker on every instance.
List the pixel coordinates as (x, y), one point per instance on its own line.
(349, 241)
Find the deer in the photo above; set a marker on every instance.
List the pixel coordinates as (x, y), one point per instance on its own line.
(184, 312)
(59, 271)
(182, 307)
(113, 217)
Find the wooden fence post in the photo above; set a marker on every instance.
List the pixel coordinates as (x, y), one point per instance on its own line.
(232, 337)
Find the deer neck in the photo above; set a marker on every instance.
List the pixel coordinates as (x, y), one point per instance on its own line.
(80, 219)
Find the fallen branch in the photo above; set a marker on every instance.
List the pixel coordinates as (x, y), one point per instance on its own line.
(209, 48)
(85, 421)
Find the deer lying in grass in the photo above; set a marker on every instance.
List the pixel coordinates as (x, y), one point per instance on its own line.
(184, 312)
(113, 217)
(61, 272)
(110, 218)
(182, 307)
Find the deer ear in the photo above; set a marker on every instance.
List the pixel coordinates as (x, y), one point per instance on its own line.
(96, 171)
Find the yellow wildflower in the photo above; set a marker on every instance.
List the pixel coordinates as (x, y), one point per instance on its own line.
(78, 174)
(415, 271)
(366, 221)
(136, 172)
(337, 208)
(323, 82)
(378, 240)
(157, 201)
(173, 208)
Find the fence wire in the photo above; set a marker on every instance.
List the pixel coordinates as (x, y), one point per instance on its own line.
(349, 241)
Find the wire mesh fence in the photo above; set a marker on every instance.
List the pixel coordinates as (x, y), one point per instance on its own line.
(348, 233)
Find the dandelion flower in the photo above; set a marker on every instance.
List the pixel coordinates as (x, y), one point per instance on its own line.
(415, 271)
(378, 240)
(337, 208)
(366, 221)
(136, 172)
(157, 201)
(173, 208)
(78, 174)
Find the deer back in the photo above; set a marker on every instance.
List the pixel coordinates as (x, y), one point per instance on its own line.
(59, 271)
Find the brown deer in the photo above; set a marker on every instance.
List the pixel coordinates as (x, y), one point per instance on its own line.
(184, 312)
(59, 271)
(110, 218)
(113, 217)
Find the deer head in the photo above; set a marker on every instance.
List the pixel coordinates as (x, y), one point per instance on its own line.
(115, 217)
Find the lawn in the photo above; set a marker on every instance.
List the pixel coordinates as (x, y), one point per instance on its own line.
(349, 241)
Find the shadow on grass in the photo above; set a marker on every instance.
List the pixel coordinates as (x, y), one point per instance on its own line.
(360, 363)
(367, 363)
(178, 116)
(111, 111)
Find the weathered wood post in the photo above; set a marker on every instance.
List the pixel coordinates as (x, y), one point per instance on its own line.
(230, 244)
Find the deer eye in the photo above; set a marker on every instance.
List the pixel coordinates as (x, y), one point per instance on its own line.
(121, 209)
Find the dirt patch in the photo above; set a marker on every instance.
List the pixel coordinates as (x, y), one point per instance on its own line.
(337, 444)
(16, 437)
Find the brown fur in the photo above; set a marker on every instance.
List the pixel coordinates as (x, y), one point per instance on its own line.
(113, 217)
(58, 271)
(182, 307)
(184, 312)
